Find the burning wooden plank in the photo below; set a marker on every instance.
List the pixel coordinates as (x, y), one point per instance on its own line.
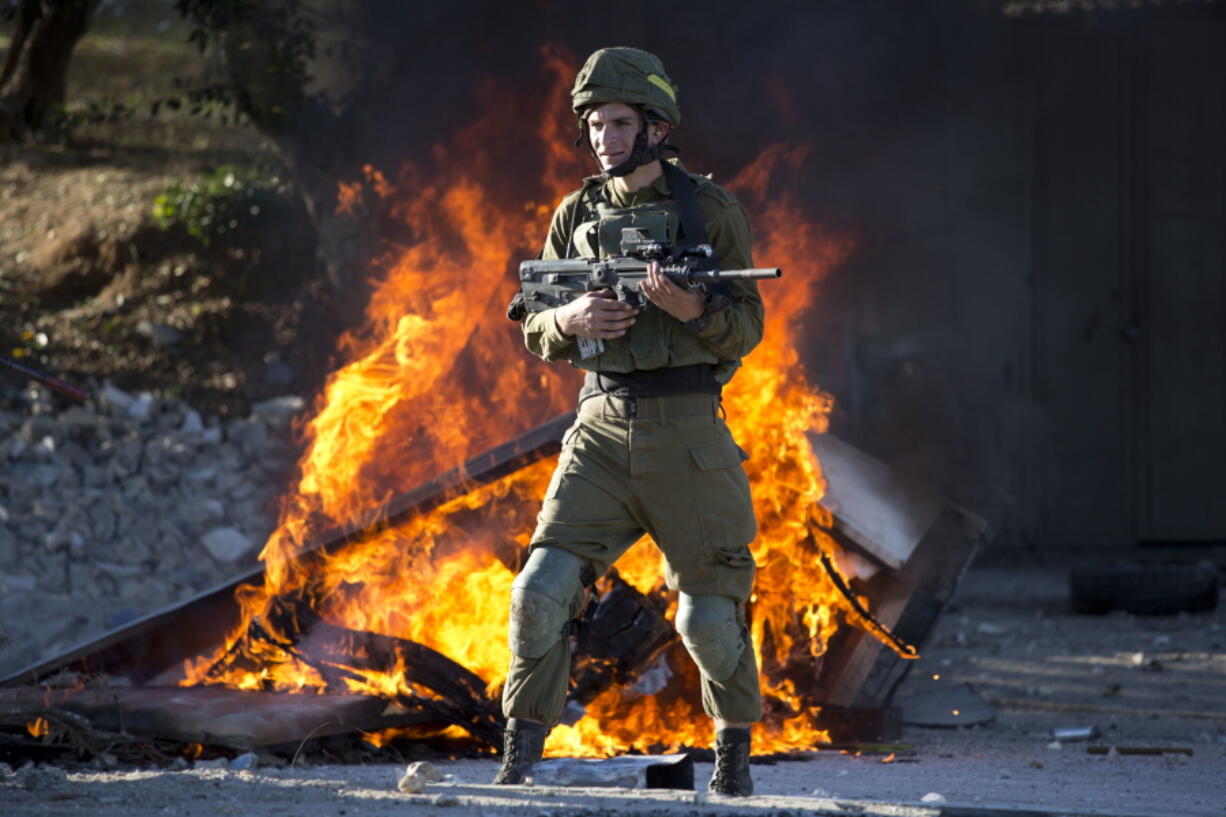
(909, 549)
(449, 692)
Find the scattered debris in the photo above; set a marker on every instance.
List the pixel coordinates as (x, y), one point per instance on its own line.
(1071, 733)
(417, 775)
(246, 762)
(1140, 750)
(625, 772)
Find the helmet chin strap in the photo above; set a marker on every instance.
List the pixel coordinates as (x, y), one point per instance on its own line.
(641, 154)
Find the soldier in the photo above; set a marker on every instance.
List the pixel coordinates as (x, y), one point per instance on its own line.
(649, 452)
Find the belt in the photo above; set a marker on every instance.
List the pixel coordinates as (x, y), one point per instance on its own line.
(697, 378)
(651, 408)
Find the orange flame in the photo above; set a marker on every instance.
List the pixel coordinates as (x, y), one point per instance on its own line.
(436, 374)
(39, 727)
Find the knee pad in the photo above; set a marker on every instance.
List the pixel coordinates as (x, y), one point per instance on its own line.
(545, 596)
(711, 630)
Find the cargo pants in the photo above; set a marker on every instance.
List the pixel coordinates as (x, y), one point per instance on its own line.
(664, 466)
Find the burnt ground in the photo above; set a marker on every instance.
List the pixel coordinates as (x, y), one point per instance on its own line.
(1152, 683)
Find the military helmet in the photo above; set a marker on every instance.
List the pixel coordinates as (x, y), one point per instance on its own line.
(626, 75)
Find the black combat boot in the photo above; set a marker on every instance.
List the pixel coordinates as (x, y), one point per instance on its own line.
(523, 741)
(731, 776)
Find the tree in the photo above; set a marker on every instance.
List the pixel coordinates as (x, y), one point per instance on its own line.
(32, 83)
(340, 84)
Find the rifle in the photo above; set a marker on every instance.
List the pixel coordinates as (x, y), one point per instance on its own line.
(53, 383)
(548, 284)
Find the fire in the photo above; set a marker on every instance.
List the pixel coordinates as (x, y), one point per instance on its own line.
(39, 727)
(436, 374)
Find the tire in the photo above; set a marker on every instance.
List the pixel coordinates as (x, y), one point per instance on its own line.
(1144, 589)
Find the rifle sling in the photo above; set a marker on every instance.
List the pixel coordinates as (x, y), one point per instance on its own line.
(682, 190)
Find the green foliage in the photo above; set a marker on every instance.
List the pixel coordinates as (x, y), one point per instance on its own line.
(287, 34)
(225, 203)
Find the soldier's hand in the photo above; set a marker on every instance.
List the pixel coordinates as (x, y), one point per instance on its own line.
(596, 315)
(681, 303)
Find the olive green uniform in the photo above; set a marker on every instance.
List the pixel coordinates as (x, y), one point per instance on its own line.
(662, 465)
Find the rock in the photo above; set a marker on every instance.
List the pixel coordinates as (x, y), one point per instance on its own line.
(161, 334)
(277, 373)
(245, 762)
(417, 775)
(42, 778)
(192, 424)
(279, 411)
(141, 408)
(227, 545)
(444, 800)
(932, 797)
(20, 582)
(215, 763)
(116, 398)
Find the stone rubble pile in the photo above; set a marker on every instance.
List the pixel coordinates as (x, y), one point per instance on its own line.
(115, 509)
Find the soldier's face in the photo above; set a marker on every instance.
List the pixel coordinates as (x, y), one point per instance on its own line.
(612, 128)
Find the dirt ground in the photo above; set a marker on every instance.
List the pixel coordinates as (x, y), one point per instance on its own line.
(1149, 683)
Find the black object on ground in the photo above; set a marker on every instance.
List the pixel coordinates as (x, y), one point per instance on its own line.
(1144, 589)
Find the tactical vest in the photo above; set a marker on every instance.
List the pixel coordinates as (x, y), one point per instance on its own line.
(656, 341)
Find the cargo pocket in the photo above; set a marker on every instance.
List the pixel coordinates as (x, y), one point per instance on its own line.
(565, 459)
(721, 492)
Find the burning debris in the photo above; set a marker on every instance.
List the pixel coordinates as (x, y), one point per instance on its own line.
(625, 648)
(401, 599)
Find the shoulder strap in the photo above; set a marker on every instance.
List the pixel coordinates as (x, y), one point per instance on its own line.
(682, 190)
(581, 203)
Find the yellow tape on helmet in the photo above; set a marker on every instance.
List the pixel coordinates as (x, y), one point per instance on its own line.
(661, 83)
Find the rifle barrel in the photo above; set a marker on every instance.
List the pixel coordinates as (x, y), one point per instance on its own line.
(755, 273)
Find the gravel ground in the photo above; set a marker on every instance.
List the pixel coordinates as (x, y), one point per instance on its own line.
(1144, 682)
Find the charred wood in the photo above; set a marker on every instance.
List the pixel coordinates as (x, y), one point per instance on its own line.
(453, 694)
(623, 635)
(211, 716)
